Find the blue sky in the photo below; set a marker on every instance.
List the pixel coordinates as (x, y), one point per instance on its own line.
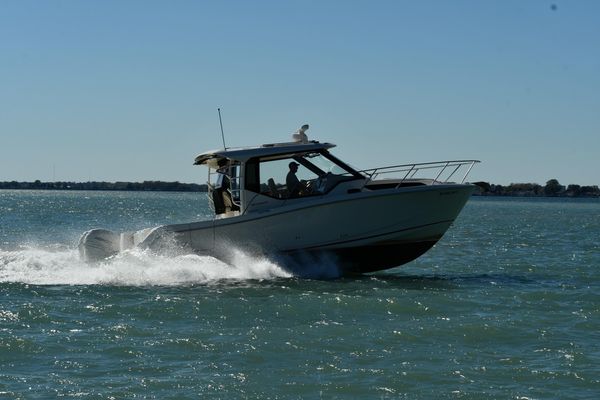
(128, 90)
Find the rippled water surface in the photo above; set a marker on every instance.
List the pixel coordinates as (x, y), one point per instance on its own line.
(507, 305)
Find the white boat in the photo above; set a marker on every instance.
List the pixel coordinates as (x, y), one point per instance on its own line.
(363, 220)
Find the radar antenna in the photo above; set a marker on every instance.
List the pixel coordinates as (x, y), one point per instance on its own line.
(300, 135)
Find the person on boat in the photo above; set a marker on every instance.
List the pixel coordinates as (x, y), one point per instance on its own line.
(293, 184)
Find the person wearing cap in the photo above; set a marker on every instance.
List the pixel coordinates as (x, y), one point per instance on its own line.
(291, 181)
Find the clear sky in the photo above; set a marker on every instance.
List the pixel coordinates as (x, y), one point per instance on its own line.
(129, 90)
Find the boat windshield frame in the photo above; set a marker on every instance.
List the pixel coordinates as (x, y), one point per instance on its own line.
(301, 158)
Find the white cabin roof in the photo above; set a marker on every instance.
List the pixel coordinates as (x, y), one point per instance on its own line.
(243, 154)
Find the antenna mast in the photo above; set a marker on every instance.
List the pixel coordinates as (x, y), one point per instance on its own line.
(222, 134)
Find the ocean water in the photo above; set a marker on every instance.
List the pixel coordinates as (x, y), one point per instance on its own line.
(505, 306)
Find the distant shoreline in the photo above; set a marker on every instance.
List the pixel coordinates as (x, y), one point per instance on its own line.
(146, 186)
(551, 189)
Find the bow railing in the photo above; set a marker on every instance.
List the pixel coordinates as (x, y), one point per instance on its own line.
(438, 171)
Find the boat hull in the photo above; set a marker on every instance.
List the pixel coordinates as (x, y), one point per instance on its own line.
(360, 232)
(363, 233)
(369, 258)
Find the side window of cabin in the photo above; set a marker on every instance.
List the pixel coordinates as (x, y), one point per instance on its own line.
(273, 176)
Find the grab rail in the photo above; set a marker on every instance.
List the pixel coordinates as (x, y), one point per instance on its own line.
(408, 171)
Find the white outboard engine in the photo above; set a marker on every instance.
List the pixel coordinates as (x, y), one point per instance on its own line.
(98, 244)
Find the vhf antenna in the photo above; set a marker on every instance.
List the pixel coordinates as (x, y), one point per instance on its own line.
(221, 123)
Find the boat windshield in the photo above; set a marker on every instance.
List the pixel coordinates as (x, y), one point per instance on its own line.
(325, 165)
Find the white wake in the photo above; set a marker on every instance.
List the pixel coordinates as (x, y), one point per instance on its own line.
(44, 266)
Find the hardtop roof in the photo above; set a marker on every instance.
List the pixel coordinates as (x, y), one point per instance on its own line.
(243, 154)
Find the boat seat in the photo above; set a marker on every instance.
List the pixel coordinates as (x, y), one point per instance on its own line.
(273, 188)
(229, 205)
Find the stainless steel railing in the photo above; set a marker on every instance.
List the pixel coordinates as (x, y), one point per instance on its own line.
(443, 171)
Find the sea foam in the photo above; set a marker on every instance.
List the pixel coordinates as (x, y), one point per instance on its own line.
(136, 267)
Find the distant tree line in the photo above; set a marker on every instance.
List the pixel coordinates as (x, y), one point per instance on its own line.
(132, 186)
(552, 189)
